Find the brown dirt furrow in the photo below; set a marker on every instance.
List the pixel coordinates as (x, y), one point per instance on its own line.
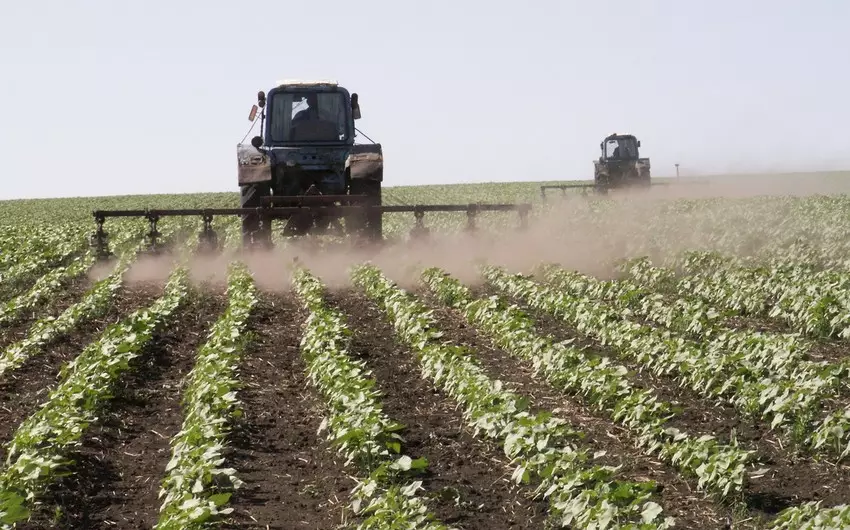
(468, 480)
(14, 332)
(678, 495)
(694, 414)
(757, 323)
(830, 351)
(122, 459)
(23, 390)
(792, 479)
(292, 479)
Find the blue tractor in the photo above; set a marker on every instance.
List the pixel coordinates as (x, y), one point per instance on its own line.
(305, 157)
(304, 168)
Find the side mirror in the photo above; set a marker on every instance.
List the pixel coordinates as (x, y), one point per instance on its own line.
(638, 143)
(261, 99)
(253, 113)
(355, 106)
(257, 142)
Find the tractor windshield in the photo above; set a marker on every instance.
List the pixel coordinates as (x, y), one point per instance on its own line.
(621, 148)
(308, 117)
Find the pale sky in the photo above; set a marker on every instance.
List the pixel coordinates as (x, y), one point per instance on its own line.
(113, 97)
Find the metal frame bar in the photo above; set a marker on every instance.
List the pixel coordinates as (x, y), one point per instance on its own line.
(209, 239)
(283, 211)
(562, 187)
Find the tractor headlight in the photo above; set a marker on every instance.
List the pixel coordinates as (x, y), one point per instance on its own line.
(290, 163)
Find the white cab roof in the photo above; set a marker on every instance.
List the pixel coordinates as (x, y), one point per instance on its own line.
(297, 82)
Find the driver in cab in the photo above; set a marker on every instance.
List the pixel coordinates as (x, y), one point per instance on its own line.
(311, 113)
(318, 124)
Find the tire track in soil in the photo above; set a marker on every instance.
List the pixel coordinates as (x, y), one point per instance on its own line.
(122, 459)
(678, 497)
(468, 481)
(793, 478)
(23, 390)
(292, 479)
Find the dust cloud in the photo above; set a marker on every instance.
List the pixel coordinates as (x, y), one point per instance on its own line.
(572, 231)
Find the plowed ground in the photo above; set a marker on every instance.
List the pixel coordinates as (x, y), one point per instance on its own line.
(293, 480)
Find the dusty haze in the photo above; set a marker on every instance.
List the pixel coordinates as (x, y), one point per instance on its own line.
(563, 231)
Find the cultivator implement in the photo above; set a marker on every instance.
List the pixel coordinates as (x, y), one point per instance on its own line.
(597, 188)
(316, 206)
(564, 188)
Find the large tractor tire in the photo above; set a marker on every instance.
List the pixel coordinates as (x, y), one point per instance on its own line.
(369, 224)
(252, 231)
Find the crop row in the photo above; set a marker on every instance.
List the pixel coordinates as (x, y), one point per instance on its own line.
(18, 244)
(62, 248)
(93, 304)
(810, 300)
(38, 451)
(606, 327)
(720, 468)
(52, 283)
(580, 493)
(356, 425)
(785, 370)
(717, 368)
(196, 484)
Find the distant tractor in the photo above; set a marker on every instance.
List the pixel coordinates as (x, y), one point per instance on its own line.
(619, 166)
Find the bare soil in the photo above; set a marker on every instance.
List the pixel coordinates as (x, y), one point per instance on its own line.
(23, 390)
(677, 495)
(792, 478)
(468, 481)
(122, 459)
(292, 479)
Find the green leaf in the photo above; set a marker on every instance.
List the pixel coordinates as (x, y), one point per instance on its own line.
(650, 512)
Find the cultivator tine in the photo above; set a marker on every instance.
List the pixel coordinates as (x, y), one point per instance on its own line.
(208, 238)
(523, 216)
(470, 218)
(152, 237)
(100, 240)
(419, 230)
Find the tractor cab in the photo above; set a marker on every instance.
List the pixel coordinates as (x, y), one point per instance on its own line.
(301, 113)
(620, 147)
(306, 148)
(620, 165)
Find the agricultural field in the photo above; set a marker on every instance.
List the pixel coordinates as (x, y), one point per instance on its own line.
(673, 359)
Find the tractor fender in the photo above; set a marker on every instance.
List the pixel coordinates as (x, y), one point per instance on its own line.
(643, 167)
(365, 162)
(253, 166)
(600, 171)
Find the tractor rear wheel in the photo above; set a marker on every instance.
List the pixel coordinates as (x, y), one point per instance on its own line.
(253, 231)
